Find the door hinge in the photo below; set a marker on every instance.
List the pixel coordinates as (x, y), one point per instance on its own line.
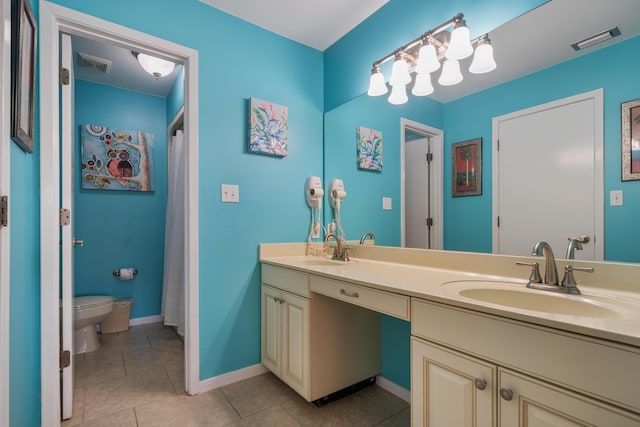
(4, 211)
(498, 222)
(65, 217)
(429, 157)
(429, 222)
(65, 359)
(498, 143)
(63, 76)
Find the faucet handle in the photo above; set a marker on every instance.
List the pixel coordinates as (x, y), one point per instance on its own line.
(568, 281)
(534, 277)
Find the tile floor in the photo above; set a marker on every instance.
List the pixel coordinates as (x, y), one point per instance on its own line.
(136, 379)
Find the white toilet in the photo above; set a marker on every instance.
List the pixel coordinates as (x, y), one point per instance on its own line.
(88, 311)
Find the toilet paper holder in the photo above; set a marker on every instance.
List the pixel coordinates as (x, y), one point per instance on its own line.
(116, 273)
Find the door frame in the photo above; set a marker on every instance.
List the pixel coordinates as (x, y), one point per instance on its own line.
(53, 20)
(598, 130)
(5, 187)
(437, 138)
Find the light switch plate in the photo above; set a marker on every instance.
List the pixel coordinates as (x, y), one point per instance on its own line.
(615, 198)
(386, 203)
(229, 193)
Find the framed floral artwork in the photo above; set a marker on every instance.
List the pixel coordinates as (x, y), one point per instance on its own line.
(631, 140)
(369, 149)
(116, 160)
(268, 124)
(466, 166)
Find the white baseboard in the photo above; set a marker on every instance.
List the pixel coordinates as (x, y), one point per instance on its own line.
(394, 388)
(145, 320)
(231, 377)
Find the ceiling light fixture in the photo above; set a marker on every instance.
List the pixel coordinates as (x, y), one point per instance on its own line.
(155, 66)
(449, 42)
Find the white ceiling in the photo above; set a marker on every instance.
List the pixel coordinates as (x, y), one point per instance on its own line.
(317, 24)
(529, 43)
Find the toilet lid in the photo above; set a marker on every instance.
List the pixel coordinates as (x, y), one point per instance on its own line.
(91, 301)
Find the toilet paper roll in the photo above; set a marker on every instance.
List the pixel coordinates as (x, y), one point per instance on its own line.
(126, 273)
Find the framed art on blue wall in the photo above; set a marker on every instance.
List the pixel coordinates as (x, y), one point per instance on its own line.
(23, 75)
(631, 140)
(268, 123)
(466, 166)
(369, 149)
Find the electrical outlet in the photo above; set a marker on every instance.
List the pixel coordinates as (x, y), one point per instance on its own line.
(229, 193)
(316, 230)
(615, 198)
(386, 203)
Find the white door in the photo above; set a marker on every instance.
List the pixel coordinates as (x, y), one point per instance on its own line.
(66, 152)
(547, 177)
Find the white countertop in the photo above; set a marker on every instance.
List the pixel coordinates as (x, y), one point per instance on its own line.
(429, 283)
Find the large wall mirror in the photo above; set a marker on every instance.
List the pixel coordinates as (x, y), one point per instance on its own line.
(560, 72)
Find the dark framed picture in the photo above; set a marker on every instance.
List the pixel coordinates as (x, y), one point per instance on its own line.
(466, 166)
(23, 77)
(630, 112)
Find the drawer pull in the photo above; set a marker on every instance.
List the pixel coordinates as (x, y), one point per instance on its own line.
(349, 294)
(506, 393)
(480, 384)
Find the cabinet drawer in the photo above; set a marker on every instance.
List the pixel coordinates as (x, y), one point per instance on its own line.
(373, 299)
(593, 367)
(289, 280)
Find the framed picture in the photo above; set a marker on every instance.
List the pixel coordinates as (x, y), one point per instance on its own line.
(268, 123)
(466, 166)
(23, 77)
(631, 140)
(369, 149)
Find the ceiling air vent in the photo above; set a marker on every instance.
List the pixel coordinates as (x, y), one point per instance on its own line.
(596, 38)
(90, 61)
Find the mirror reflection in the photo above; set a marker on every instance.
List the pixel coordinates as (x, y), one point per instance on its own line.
(468, 222)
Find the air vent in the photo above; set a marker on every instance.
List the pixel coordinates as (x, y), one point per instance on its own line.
(90, 61)
(596, 38)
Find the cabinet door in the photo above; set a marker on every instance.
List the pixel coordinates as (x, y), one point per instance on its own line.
(449, 388)
(529, 402)
(271, 325)
(295, 343)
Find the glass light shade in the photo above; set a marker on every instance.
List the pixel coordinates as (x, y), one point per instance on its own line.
(422, 86)
(460, 44)
(483, 61)
(400, 73)
(398, 95)
(377, 85)
(427, 60)
(451, 74)
(155, 66)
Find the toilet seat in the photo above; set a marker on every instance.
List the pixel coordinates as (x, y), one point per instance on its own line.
(91, 301)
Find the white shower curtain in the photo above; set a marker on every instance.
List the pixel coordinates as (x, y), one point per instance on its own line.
(173, 286)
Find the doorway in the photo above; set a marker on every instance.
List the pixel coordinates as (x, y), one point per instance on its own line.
(54, 20)
(421, 181)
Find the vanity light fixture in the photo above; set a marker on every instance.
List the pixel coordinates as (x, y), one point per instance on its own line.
(449, 42)
(157, 67)
(596, 38)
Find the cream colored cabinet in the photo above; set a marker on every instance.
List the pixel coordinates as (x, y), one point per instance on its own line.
(449, 388)
(285, 337)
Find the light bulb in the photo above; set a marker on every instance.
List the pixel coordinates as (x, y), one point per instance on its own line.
(400, 73)
(460, 44)
(377, 85)
(427, 59)
(422, 86)
(155, 66)
(398, 95)
(451, 74)
(483, 61)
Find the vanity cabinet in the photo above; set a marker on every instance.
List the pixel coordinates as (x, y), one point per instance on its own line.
(475, 369)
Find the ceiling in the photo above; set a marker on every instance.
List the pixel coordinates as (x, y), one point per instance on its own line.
(529, 43)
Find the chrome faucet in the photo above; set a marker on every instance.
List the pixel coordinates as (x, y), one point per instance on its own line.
(550, 271)
(340, 252)
(575, 243)
(364, 237)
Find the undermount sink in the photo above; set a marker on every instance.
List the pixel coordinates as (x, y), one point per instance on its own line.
(507, 294)
(322, 262)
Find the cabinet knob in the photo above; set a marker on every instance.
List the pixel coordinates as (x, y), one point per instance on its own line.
(506, 393)
(480, 384)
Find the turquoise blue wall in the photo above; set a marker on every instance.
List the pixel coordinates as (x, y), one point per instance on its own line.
(347, 63)
(121, 228)
(175, 98)
(272, 207)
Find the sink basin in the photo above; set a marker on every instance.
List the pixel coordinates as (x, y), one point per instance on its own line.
(322, 262)
(517, 296)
